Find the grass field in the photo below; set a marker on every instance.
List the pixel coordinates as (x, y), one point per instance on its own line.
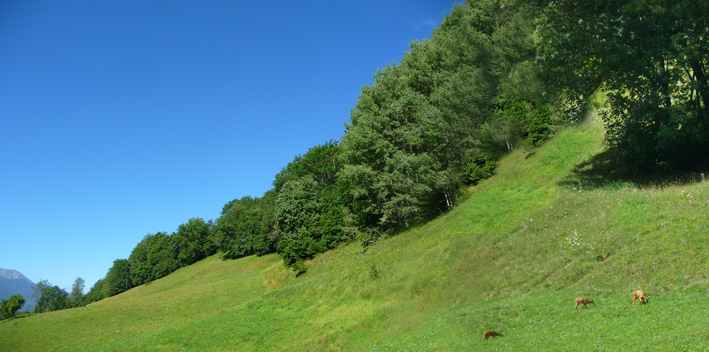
(512, 257)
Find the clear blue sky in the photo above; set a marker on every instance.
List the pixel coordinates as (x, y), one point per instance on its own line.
(123, 118)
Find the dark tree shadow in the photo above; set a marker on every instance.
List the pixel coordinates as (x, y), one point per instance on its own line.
(608, 170)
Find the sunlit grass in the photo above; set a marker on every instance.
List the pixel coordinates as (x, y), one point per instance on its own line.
(511, 258)
(548, 322)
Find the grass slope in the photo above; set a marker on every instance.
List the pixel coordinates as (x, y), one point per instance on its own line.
(512, 257)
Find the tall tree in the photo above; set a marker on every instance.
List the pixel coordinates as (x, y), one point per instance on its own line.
(39, 292)
(77, 292)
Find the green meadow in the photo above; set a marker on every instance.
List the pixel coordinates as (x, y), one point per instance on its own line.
(550, 226)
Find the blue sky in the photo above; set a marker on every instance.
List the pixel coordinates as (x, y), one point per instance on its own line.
(123, 118)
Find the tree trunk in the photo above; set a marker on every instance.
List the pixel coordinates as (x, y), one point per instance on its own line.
(702, 80)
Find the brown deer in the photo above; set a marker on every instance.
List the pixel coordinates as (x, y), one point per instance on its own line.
(491, 333)
(583, 301)
(641, 296)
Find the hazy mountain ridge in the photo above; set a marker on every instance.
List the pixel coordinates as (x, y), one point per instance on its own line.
(14, 282)
(12, 274)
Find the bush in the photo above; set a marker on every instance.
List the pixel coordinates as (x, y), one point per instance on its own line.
(539, 128)
(479, 167)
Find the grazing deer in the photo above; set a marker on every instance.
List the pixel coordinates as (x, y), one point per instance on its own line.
(641, 296)
(491, 333)
(583, 301)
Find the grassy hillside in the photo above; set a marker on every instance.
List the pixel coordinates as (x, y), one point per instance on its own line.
(543, 231)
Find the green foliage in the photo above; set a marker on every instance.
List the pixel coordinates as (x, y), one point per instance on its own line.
(310, 221)
(49, 298)
(386, 157)
(193, 241)
(411, 144)
(95, 294)
(39, 288)
(311, 206)
(299, 267)
(539, 125)
(76, 297)
(515, 119)
(298, 212)
(331, 227)
(140, 268)
(413, 131)
(118, 278)
(265, 242)
(320, 163)
(650, 59)
(162, 255)
(479, 167)
(153, 257)
(246, 227)
(10, 306)
(512, 257)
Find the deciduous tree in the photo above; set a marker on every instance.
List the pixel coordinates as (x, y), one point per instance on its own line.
(118, 278)
(193, 241)
(298, 213)
(246, 227)
(77, 292)
(10, 306)
(96, 293)
(162, 255)
(49, 298)
(140, 268)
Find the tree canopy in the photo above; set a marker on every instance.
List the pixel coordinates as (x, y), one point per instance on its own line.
(414, 130)
(49, 298)
(10, 306)
(77, 292)
(193, 242)
(651, 60)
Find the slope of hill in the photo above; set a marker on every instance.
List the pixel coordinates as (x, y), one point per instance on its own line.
(512, 257)
(13, 282)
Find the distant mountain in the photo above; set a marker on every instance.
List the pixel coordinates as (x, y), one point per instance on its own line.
(12, 282)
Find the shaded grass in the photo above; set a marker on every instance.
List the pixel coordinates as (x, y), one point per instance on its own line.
(511, 258)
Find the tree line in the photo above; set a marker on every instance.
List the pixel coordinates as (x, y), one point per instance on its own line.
(493, 77)
(428, 126)
(48, 298)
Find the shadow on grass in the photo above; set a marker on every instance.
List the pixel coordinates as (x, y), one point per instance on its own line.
(609, 171)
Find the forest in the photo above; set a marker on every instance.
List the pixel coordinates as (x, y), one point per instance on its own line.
(495, 76)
